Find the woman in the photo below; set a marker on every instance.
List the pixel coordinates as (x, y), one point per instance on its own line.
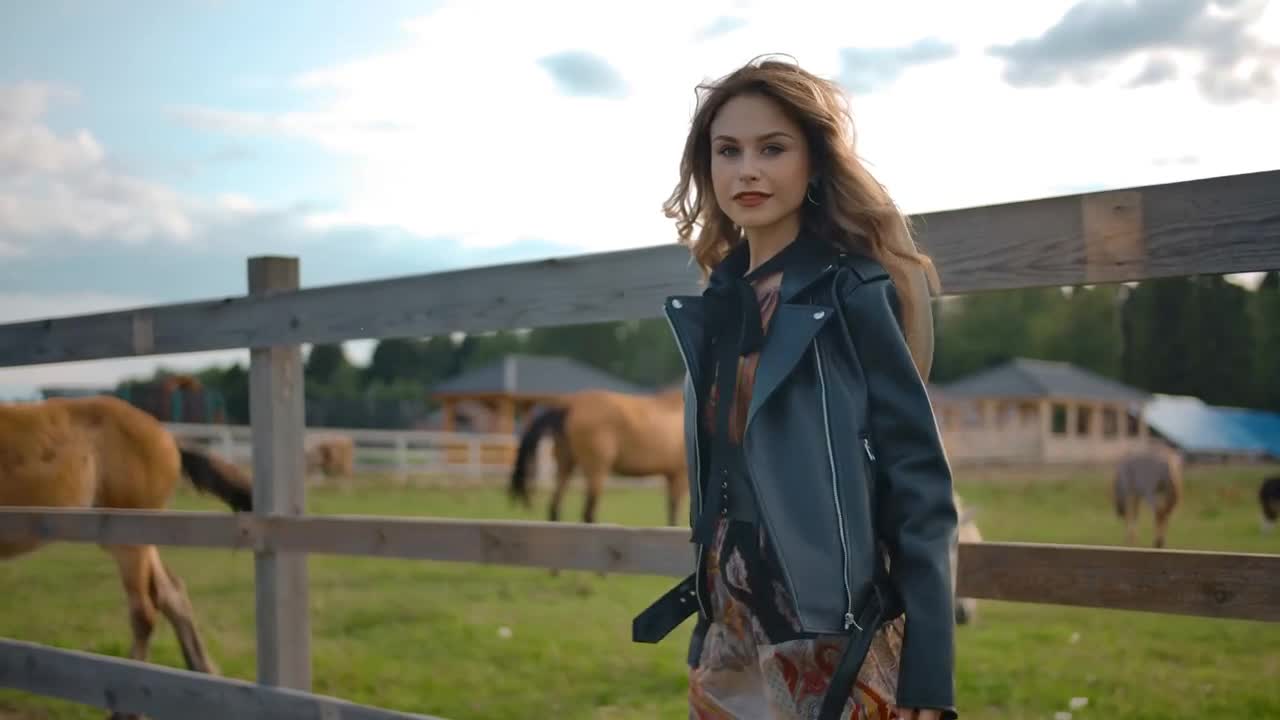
(821, 501)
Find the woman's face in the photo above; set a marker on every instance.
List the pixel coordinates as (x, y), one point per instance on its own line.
(759, 163)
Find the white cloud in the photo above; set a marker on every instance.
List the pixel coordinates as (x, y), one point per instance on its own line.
(52, 184)
(461, 131)
(450, 135)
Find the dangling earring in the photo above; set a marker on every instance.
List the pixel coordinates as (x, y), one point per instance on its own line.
(808, 192)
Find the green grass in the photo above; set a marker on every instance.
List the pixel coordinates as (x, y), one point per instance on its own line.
(424, 636)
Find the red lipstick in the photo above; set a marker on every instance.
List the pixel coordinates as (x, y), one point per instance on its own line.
(751, 199)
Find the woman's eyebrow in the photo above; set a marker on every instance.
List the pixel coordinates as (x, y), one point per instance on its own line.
(762, 138)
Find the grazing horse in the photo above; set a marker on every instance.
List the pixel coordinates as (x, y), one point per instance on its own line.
(331, 455)
(966, 609)
(102, 452)
(1152, 476)
(1269, 499)
(603, 433)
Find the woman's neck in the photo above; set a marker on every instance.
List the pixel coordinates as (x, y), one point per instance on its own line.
(765, 242)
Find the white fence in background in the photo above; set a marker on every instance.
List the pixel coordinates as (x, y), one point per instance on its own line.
(407, 456)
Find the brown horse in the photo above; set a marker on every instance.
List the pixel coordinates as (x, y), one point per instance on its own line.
(331, 455)
(102, 452)
(603, 433)
(1153, 476)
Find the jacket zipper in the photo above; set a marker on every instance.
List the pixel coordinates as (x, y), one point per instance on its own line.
(849, 619)
(697, 466)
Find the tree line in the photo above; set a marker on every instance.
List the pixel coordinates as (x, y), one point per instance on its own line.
(1199, 335)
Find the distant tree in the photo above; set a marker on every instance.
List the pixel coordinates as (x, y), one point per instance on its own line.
(1266, 356)
(324, 362)
(1083, 328)
(393, 358)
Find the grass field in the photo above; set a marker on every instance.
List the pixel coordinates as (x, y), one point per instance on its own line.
(428, 637)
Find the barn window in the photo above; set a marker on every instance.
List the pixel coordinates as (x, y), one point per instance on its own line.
(1059, 419)
(1083, 416)
(1110, 422)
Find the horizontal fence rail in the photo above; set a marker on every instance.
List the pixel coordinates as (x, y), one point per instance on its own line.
(129, 686)
(1214, 225)
(1206, 584)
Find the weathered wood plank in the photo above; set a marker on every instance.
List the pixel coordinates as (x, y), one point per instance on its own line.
(1202, 584)
(1213, 225)
(128, 686)
(279, 471)
(1223, 585)
(569, 546)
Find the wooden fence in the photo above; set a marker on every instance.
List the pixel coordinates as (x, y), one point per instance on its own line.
(1217, 225)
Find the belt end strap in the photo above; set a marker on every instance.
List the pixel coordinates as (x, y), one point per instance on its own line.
(840, 690)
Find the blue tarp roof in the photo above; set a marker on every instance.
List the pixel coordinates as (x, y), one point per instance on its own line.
(1196, 427)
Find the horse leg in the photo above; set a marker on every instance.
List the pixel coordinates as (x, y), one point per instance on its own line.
(1131, 508)
(564, 469)
(557, 496)
(595, 485)
(1162, 521)
(151, 587)
(677, 488)
(170, 595)
(135, 576)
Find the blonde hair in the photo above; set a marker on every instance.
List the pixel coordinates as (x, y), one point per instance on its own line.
(853, 210)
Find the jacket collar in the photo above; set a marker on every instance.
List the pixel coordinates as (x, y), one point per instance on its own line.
(804, 261)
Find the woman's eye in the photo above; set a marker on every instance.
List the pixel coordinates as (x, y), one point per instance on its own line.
(727, 150)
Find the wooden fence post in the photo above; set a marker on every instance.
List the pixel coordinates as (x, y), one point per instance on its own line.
(402, 460)
(278, 423)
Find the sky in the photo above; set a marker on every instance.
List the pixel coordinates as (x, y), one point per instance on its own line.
(147, 148)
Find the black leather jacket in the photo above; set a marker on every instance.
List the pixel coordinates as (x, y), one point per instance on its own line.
(847, 465)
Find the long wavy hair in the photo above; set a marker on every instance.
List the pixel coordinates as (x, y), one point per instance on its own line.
(853, 210)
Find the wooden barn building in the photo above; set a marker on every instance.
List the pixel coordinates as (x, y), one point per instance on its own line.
(491, 398)
(1035, 411)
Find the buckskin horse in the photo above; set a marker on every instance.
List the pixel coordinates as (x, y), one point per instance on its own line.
(102, 452)
(606, 433)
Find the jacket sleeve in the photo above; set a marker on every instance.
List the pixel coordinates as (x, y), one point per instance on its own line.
(916, 510)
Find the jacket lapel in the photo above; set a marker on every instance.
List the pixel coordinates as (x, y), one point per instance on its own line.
(687, 315)
(791, 332)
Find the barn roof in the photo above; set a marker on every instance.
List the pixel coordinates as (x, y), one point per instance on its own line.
(1197, 427)
(1026, 377)
(519, 374)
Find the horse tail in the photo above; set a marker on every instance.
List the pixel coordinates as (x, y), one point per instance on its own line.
(215, 476)
(550, 420)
